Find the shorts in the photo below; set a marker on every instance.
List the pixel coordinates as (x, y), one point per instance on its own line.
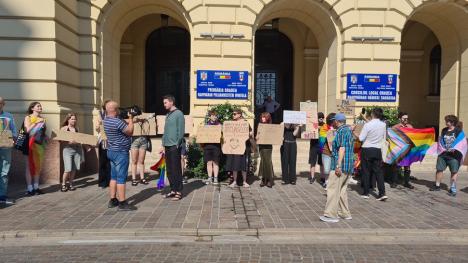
(139, 143)
(183, 149)
(444, 161)
(315, 156)
(72, 158)
(119, 165)
(326, 162)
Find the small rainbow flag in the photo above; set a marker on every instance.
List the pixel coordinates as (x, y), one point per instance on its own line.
(323, 136)
(421, 140)
(161, 166)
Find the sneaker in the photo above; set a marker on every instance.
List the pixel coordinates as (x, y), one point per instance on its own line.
(293, 182)
(382, 198)
(409, 186)
(311, 180)
(113, 203)
(31, 193)
(215, 181)
(435, 188)
(233, 185)
(453, 194)
(365, 196)
(346, 217)
(38, 191)
(329, 219)
(208, 181)
(6, 201)
(353, 181)
(124, 206)
(393, 185)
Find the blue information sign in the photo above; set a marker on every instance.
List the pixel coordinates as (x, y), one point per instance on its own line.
(218, 84)
(372, 87)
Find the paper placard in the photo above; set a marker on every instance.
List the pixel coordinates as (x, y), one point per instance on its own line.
(311, 127)
(235, 134)
(77, 137)
(6, 139)
(146, 127)
(270, 134)
(209, 134)
(294, 117)
(161, 120)
(346, 106)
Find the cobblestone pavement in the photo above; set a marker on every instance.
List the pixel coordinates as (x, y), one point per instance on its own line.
(209, 207)
(234, 253)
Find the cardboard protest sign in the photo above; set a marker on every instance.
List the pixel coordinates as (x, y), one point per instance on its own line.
(6, 139)
(235, 134)
(311, 127)
(209, 134)
(77, 137)
(98, 122)
(161, 120)
(346, 106)
(145, 125)
(270, 134)
(294, 117)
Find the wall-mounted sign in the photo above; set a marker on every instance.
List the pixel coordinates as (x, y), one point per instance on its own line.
(217, 84)
(372, 87)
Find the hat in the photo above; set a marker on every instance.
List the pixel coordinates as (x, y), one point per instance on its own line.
(340, 117)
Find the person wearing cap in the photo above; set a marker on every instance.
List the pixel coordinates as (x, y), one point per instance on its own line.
(372, 136)
(342, 166)
(315, 155)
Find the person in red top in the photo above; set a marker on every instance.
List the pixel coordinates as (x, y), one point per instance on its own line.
(404, 123)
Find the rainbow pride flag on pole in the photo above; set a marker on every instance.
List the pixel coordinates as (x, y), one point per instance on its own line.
(421, 140)
(323, 136)
(161, 166)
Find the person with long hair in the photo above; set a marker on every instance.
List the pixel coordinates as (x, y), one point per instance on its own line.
(72, 154)
(451, 149)
(238, 163)
(265, 171)
(35, 126)
(212, 153)
(395, 169)
(138, 150)
(289, 153)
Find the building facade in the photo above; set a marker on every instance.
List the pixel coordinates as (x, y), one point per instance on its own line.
(73, 54)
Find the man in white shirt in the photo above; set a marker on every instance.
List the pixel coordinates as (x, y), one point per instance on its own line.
(372, 136)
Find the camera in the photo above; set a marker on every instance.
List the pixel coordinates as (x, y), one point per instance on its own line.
(133, 111)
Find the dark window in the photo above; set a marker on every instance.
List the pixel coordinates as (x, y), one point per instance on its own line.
(168, 68)
(434, 71)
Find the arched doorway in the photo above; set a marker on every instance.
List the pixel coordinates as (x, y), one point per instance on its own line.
(167, 68)
(273, 69)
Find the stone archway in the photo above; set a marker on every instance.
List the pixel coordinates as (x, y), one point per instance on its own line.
(314, 32)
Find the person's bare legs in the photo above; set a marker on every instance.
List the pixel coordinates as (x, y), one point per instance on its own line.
(312, 172)
(215, 169)
(244, 178)
(135, 156)
(65, 177)
(141, 163)
(28, 176)
(209, 168)
(113, 189)
(121, 192)
(234, 177)
(71, 178)
(438, 179)
(453, 184)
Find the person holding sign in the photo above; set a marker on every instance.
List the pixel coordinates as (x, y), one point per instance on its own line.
(265, 171)
(34, 125)
(238, 163)
(315, 155)
(7, 123)
(289, 153)
(72, 155)
(212, 153)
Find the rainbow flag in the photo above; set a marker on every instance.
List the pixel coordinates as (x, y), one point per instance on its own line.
(323, 136)
(398, 146)
(161, 166)
(460, 144)
(422, 139)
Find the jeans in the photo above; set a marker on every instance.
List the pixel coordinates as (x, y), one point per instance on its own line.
(5, 161)
(288, 161)
(326, 162)
(371, 164)
(174, 168)
(119, 165)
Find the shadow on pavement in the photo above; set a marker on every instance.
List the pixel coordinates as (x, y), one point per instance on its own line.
(429, 184)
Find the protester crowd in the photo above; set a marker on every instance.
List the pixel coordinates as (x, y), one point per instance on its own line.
(346, 153)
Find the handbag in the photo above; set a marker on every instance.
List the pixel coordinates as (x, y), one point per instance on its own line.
(22, 140)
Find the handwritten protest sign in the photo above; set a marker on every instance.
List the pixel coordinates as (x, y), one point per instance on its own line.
(77, 137)
(346, 106)
(311, 127)
(146, 126)
(235, 134)
(294, 117)
(270, 134)
(161, 120)
(209, 134)
(6, 139)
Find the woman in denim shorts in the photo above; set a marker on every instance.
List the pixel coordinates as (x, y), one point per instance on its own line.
(72, 155)
(138, 150)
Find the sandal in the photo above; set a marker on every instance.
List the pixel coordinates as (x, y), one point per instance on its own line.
(177, 197)
(71, 188)
(143, 181)
(169, 195)
(134, 182)
(64, 188)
